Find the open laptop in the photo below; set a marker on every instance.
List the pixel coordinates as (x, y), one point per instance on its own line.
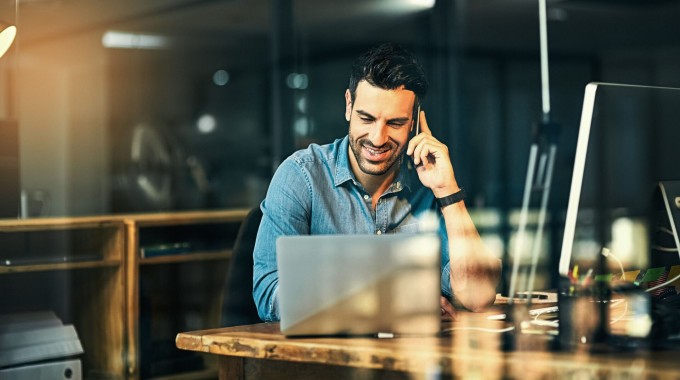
(359, 284)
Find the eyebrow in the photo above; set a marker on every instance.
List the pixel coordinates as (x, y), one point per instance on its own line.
(395, 120)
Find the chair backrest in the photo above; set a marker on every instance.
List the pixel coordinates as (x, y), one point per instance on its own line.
(238, 307)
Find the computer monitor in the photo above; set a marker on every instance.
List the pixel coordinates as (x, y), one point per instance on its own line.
(628, 143)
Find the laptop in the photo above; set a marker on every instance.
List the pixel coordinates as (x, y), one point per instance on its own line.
(359, 284)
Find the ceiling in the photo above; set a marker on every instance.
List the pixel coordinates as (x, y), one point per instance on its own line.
(576, 26)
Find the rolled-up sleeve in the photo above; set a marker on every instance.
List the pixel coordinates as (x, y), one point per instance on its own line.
(285, 211)
(446, 268)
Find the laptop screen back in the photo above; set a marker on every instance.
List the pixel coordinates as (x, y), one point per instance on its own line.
(359, 284)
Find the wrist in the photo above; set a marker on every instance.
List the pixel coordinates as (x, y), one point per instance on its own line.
(446, 191)
(451, 198)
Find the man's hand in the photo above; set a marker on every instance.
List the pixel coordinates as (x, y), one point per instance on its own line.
(432, 161)
(448, 312)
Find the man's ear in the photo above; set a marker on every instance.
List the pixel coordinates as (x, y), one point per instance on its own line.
(348, 105)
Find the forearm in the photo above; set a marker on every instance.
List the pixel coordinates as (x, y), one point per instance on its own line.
(265, 297)
(474, 270)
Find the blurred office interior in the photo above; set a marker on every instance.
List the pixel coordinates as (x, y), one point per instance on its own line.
(112, 107)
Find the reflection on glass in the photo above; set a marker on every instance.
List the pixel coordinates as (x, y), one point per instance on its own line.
(126, 40)
(6, 38)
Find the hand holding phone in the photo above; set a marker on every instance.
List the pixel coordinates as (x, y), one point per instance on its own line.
(431, 159)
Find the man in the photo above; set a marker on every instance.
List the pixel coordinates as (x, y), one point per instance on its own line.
(366, 184)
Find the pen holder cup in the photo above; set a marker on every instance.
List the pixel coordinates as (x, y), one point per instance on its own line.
(579, 315)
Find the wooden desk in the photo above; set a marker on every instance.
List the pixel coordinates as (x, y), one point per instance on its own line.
(260, 351)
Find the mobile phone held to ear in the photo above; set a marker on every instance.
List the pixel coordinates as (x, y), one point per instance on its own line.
(417, 131)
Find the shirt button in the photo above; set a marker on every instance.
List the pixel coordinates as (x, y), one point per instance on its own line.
(378, 232)
(366, 197)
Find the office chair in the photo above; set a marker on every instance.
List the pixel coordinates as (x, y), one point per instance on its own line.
(238, 307)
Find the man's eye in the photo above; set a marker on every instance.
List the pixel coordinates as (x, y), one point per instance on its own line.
(366, 120)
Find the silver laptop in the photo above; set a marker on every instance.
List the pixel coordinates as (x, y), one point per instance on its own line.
(359, 284)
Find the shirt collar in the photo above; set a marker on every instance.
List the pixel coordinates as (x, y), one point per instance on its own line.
(343, 170)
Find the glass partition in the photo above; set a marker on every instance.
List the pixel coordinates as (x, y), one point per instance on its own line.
(191, 104)
(129, 106)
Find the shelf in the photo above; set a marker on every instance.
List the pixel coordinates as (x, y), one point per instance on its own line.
(126, 308)
(58, 244)
(59, 266)
(43, 224)
(186, 257)
(187, 217)
(180, 288)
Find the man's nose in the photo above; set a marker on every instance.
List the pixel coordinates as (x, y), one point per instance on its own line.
(378, 134)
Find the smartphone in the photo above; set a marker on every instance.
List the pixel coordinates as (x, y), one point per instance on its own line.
(417, 121)
(416, 129)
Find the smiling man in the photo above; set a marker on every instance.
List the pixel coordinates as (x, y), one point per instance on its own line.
(380, 178)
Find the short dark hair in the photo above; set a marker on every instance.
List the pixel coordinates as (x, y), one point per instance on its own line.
(389, 66)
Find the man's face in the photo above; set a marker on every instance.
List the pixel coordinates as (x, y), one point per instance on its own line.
(379, 125)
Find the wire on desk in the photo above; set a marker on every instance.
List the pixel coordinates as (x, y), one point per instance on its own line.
(663, 284)
(625, 310)
(666, 230)
(483, 329)
(664, 249)
(608, 253)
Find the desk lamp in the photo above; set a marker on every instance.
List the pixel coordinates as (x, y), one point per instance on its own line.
(6, 37)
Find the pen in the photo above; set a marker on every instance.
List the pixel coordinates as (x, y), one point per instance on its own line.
(586, 279)
(574, 275)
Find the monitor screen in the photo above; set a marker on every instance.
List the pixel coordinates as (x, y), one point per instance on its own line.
(627, 145)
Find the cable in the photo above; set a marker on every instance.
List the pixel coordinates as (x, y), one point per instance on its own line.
(542, 322)
(607, 253)
(625, 310)
(666, 230)
(663, 284)
(664, 249)
(507, 329)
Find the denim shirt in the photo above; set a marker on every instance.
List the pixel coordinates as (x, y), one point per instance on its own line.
(315, 192)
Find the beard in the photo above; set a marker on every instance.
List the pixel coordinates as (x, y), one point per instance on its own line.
(386, 155)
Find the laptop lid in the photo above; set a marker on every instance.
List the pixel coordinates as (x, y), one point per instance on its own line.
(359, 284)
